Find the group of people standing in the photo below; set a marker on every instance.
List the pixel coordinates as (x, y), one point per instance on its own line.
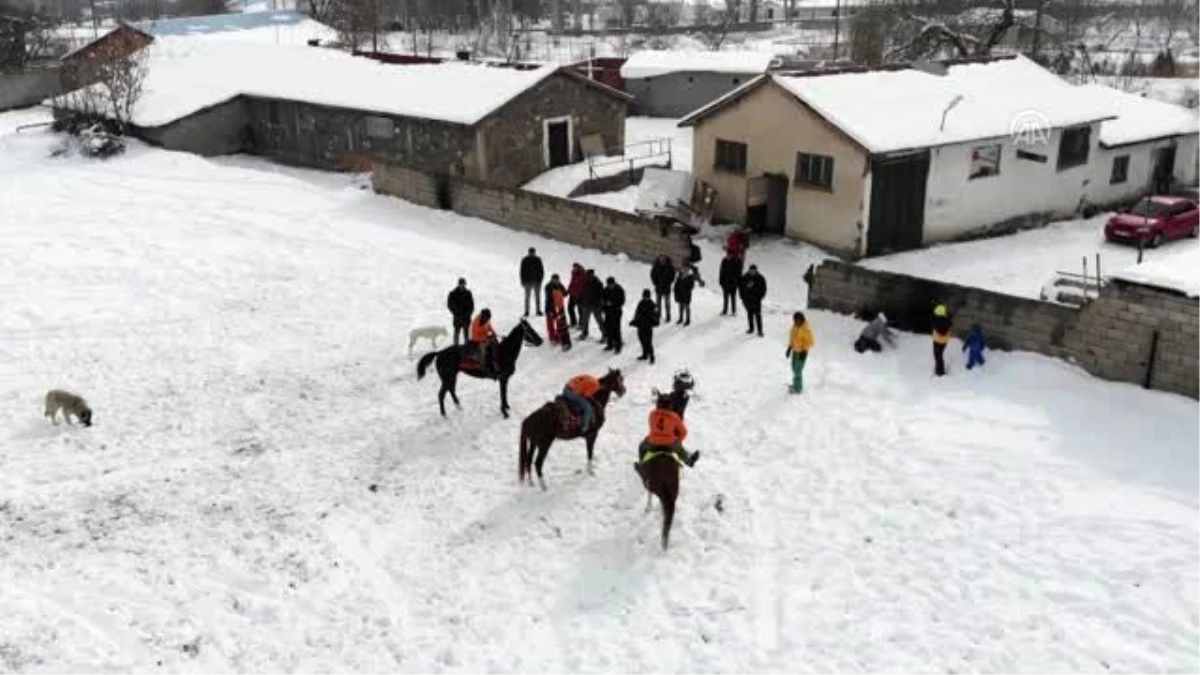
(575, 304)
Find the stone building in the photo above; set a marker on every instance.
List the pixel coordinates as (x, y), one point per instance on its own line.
(310, 106)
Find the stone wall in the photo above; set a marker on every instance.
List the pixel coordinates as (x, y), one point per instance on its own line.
(326, 137)
(561, 219)
(29, 87)
(1110, 337)
(221, 129)
(512, 137)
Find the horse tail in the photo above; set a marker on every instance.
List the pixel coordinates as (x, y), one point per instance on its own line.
(668, 507)
(423, 364)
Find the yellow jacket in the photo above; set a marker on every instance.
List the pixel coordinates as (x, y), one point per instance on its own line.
(801, 339)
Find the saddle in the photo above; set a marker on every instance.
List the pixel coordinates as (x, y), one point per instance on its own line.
(570, 421)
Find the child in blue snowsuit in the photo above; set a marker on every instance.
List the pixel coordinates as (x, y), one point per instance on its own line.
(974, 345)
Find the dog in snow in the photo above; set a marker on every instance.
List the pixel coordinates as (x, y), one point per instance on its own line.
(69, 404)
(431, 333)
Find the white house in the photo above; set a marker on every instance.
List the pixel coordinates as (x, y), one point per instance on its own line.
(869, 162)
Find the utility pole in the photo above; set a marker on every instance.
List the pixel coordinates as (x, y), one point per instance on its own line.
(1037, 29)
(837, 27)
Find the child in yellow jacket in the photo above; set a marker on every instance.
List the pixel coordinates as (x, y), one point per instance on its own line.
(799, 342)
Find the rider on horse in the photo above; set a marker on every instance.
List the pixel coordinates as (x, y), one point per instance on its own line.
(579, 392)
(483, 338)
(667, 434)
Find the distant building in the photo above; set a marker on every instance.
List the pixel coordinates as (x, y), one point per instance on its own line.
(674, 83)
(317, 107)
(877, 161)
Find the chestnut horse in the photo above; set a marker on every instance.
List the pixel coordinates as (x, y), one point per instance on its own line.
(544, 425)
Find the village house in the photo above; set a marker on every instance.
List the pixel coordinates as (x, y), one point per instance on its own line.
(321, 108)
(674, 83)
(871, 162)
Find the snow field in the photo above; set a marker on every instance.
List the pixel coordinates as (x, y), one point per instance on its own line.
(267, 487)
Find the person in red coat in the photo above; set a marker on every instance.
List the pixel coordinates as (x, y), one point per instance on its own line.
(574, 292)
(737, 243)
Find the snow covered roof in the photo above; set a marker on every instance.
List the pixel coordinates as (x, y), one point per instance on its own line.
(1177, 270)
(651, 63)
(1140, 118)
(892, 110)
(186, 75)
(218, 23)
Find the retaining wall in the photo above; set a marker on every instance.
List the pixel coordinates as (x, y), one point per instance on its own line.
(1112, 336)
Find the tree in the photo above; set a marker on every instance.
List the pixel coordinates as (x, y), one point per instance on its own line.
(112, 80)
(26, 37)
(869, 33)
(360, 23)
(937, 38)
(717, 24)
(661, 16)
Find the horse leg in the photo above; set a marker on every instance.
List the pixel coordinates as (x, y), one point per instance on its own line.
(591, 445)
(541, 459)
(504, 397)
(649, 498)
(442, 398)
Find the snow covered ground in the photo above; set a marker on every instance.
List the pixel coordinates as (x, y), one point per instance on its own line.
(267, 486)
(1020, 264)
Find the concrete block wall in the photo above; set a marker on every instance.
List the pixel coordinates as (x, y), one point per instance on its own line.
(1110, 337)
(27, 88)
(564, 220)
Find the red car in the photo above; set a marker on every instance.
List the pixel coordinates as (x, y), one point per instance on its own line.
(1154, 220)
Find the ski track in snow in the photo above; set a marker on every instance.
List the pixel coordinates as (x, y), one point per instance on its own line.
(268, 486)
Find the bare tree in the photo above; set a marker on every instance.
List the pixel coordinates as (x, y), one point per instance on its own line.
(629, 12)
(661, 16)
(322, 10)
(753, 11)
(869, 33)
(935, 37)
(360, 23)
(26, 37)
(112, 80)
(715, 31)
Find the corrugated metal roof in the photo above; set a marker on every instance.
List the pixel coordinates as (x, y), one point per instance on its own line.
(218, 23)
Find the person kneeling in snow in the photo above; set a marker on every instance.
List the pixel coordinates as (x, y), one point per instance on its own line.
(974, 346)
(874, 333)
(667, 434)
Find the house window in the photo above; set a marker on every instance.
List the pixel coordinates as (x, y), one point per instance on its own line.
(1031, 156)
(731, 156)
(1120, 170)
(380, 127)
(1073, 147)
(985, 161)
(814, 170)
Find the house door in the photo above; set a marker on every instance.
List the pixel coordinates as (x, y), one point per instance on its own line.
(777, 194)
(1164, 170)
(558, 143)
(897, 203)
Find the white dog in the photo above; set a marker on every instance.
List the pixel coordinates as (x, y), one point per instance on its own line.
(431, 333)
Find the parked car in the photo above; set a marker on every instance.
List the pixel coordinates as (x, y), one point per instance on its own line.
(1154, 220)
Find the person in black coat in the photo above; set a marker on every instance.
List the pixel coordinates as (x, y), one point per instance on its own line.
(645, 318)
(753, 289)
(662, 275)
(612, 304)
(461, 304)
(730, 277)
(532, 273)
(589, 303)
(685, 283)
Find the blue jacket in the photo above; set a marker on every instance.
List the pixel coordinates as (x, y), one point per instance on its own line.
(974, 341)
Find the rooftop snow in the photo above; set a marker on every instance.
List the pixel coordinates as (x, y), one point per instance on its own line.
(886, 111)
(1175, 270)
(652, 63)
(218, 23)
(1140, 118)
(186, 75)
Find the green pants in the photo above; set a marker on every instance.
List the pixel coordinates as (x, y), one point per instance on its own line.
(798, 360)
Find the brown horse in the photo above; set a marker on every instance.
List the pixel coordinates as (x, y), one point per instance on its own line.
(660, 476)
(556, 420)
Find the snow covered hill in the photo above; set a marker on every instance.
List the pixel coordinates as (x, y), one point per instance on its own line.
(267, 486)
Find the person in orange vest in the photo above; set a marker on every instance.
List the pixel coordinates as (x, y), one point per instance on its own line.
(483, 337)
(579, 392)
(667, 433)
